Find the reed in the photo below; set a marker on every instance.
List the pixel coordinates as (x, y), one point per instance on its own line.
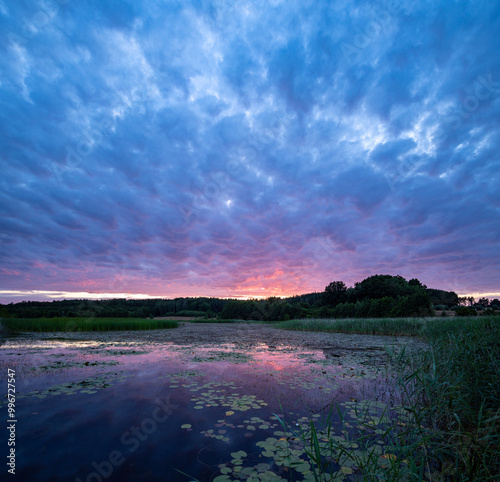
(448, 427)
(66, 324)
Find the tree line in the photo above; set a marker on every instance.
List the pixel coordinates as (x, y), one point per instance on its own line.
(375, 296)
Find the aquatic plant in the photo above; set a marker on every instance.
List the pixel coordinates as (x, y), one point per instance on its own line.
(65, 324)
(450, 397)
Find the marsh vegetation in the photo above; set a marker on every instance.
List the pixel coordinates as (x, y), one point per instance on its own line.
(66, 324)
(311, 400)
(450, 426)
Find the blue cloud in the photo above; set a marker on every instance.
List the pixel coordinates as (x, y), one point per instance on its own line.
(201, 148)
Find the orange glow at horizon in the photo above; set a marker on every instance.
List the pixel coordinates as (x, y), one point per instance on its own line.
(278, 283)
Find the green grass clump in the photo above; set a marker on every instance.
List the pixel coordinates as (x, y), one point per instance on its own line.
(65, 324)
(453, 391)
(451, 398)
(366, 326)
(425, 328)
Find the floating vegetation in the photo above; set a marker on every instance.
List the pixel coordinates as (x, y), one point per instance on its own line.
(63, 365)
(283, 449)
(310, 446)
(89, 386)
(230, 391)
(449, 429)
(216, 356)
(215, 394)
(305, 381)
(224, 395)
(125, 352)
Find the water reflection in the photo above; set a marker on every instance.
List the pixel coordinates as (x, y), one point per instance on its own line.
(121, 410)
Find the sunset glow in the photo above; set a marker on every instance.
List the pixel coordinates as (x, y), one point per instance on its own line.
(247, 149)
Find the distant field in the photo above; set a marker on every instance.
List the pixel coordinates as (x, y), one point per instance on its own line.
(84, 324)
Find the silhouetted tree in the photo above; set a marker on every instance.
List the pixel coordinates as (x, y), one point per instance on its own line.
(335, 293)
(416, 282)
(382, 285)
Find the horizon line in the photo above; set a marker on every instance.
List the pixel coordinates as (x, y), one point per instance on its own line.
(90, 295)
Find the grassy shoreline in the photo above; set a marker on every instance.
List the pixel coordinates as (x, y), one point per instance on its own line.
(451, 391)
(69, 324)
(425, 328)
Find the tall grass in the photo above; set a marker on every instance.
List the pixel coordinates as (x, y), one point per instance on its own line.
(454, 392)
(66, 324)
(450, 392)
(367, 326)
(425, 328)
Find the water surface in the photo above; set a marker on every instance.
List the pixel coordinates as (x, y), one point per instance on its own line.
(205, 400)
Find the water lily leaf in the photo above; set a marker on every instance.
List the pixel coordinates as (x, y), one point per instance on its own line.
(222, 478)
(239, 454)
(249, 471)
(309, 476)
(303, 467)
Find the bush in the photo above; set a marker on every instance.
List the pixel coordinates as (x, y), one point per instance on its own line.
(190, 313)
(465, 311)
(490, 312)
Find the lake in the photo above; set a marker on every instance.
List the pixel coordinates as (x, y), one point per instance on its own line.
(201, 402)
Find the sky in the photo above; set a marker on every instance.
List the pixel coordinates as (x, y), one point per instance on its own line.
(247, 148)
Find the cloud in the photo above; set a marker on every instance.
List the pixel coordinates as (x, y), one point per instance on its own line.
(242, 148)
